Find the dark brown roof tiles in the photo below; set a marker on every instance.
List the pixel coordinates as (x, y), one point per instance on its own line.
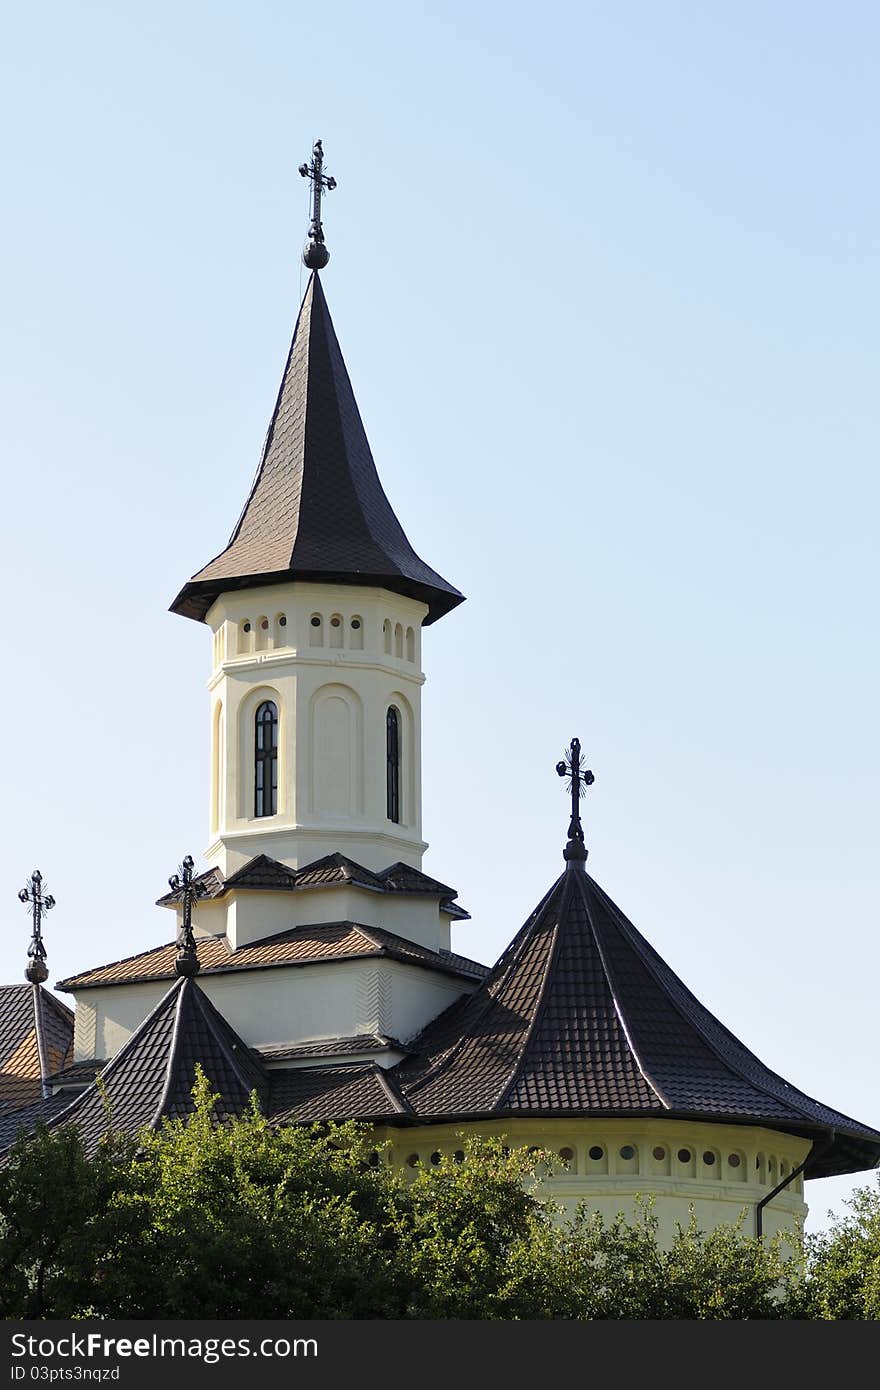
(299, 946)
(317, 510)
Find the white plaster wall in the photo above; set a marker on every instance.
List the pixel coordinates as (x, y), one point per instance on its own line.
(119, 1011)
(249, 915)
(718, 1192)
(287, 1004)
(332, 686)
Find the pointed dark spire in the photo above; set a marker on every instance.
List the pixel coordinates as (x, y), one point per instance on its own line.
(317, 510)
(40, 903)
(571, 765)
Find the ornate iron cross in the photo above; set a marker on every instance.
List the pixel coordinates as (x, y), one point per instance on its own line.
(579, 778)
(190, 891)
(315, 253)
(40, 903)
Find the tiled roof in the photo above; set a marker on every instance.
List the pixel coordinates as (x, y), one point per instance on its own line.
(330, 1047)
(333, 871)
(299, 946)
(581, 1016)
(27, 1117)
(311, 1094)
(19, 1054)
(79, 1073)
(317, 510)
(152, 1075)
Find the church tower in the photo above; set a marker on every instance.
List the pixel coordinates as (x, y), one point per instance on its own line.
(316, 607)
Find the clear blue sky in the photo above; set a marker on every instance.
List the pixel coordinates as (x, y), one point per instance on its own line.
(606, 280)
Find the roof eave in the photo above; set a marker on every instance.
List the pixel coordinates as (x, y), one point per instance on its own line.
(198, 595)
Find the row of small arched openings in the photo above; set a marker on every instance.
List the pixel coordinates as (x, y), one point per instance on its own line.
(268, 633)
(661, 1159)
(398, 643)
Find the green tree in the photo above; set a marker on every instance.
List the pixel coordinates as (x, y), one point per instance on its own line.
(243, 1220)
(844, 1263)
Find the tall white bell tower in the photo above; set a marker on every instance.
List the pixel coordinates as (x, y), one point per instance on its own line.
(317, 606)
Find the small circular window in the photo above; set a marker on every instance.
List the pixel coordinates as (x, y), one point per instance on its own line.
(316, 621)
(436, 1156)
(566, 1155)
(684, 1155)
(246, 627)
(413, 1161)
(734, 1160)
(282, 621)
(659, 1152)
(596, 1153)
(265, 624)
(627, 1151)
(355, 623)
(708, 1158)
(459, 1155)
(374, 1160)
(335, 622)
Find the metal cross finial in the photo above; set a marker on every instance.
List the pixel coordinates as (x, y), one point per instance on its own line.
(315, 253)
(187, 957)
(579, 778)
(40, 902)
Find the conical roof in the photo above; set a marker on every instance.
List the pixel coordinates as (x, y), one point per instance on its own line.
(580, 1016)
(317, 510)
(153, 1074)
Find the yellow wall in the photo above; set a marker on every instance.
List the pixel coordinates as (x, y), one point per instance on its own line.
(719, 1191)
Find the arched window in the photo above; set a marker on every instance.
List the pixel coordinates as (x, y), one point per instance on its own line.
(392, 763)
(266, 760)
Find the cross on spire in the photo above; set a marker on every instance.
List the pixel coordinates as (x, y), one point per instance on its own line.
(579, 778)
(40, 903)
(315, 253)
(187, 962)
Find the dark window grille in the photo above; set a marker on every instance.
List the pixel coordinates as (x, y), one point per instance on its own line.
(266, 760)
(392, 763)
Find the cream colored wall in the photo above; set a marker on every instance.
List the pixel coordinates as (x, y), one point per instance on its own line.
(250, 915)
(332, 686)
(117, 1013)
(719, 1192)
(282, 1005)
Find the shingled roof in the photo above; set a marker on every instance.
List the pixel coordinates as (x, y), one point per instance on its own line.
(298, 946)
(317, 510)
(20, 1081)
(331, 871)
(580, 1016)
(152, 1075)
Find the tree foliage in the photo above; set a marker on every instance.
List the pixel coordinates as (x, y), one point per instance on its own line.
(242, 1220)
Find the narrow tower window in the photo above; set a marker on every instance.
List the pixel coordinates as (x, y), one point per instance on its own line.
(266, 760)
(392, 762)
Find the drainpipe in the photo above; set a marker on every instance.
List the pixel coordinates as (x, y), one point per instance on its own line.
(814, 1153)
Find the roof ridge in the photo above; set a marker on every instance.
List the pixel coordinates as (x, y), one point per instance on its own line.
(541, 1000)
(182, 995)
(615, 995)
(398, 1100)
(732, 1063)
(513, 951)
(211, 1014)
